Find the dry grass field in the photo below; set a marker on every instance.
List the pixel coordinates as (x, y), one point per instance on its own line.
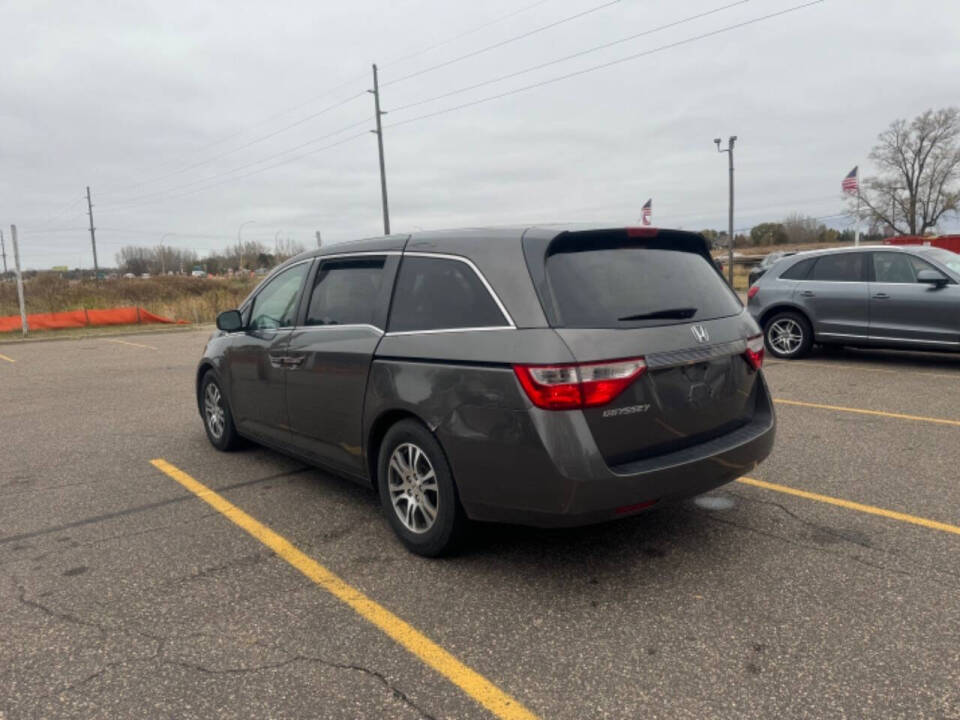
(182, 298)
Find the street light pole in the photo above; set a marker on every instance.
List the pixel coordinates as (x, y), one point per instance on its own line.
(729, 150)
(240, 239)
(163, 260)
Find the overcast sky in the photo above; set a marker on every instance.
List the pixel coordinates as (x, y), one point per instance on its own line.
(163, 108)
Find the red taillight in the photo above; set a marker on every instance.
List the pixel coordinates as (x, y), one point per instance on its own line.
(754, 289)
(568, 387)
(642, 231)
(754, 353)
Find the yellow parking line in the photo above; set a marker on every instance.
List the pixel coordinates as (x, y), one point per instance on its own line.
(869, 509)
(471, 682)
(860, 368)
(861, 411)
(8, 359)
(133, 344)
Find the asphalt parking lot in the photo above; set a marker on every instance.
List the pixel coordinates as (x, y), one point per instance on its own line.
(127, 592)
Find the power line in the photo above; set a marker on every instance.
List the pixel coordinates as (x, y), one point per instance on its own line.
(395, 60)
(611, 63)
(443, 111)
(159, 193)
(581, 53)
(251, 143)
(255, 172)
(482, 50)
(325, 94)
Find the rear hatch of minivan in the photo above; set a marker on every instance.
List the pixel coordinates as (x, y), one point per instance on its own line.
(649, 310)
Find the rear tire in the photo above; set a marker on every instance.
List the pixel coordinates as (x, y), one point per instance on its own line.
(217, 418)
(788, 335)
(417, 491)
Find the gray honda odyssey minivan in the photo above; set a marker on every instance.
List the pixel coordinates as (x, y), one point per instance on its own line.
(544, 376)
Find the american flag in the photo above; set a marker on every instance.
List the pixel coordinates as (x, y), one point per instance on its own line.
(646, 211)
(851, 183)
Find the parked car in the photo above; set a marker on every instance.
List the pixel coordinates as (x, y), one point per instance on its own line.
(757, 271)
(904, 297)
(539, 376)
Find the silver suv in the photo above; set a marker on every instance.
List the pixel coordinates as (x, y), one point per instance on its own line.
(905, 297)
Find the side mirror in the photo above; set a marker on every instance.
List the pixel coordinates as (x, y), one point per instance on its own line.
(932, 277)
(230, 321)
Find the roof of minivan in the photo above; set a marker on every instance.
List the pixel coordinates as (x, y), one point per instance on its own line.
(454, 239)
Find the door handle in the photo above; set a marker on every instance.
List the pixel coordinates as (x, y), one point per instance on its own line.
(278, 361)
(808, 293)
(294, 362)
(881, 296)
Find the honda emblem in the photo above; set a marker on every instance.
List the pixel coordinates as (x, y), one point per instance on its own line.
(700, 333)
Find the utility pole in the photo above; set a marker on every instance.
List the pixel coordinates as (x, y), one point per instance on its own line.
(3, 251)
(318, 239)
(16, 264)
(729, 151)
(93, 237)
(379, 133)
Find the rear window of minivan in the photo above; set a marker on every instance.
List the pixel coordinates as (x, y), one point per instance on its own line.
(635, 282)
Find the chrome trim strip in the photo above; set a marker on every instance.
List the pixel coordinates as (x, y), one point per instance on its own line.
(912, 340)
(483, 279)
(393, 333)
(308, 328)
(358, 253)
(891, 339)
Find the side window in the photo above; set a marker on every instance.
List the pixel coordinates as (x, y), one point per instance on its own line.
(891, 267)
(441, 294)
(346, 292)
(919, 264)
(798, 271)
(275, 306)
(839, 267)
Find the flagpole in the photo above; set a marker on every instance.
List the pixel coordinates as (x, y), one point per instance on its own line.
(856, 236)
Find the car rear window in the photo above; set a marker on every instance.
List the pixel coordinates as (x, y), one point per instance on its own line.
(633, 284)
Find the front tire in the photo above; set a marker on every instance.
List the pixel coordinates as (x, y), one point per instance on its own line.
(417, 490)
(788, 335)
(217, 418)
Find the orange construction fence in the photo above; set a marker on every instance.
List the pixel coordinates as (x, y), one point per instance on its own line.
(86, 318)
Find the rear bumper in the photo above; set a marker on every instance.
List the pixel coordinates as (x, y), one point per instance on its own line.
(563, 481)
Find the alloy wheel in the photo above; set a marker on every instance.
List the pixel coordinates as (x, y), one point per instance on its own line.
(213, 410)
(413, 488)
(785, 336)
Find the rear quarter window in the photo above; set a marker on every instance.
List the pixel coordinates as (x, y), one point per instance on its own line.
(634, 285)
(798, 271)
(441, 294)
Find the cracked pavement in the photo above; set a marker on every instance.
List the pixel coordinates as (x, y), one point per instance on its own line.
(122, 595)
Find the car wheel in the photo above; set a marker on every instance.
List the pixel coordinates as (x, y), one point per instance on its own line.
(217, 418)
(788, 335)
(417, 490)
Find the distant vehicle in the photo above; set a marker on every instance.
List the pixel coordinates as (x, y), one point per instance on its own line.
(947, 242)
(757, 271)
(145, 276)
(129, 275)
(905, 297)
(528, 375)
(198, 273)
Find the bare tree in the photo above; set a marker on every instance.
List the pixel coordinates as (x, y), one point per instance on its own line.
(919, 179)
